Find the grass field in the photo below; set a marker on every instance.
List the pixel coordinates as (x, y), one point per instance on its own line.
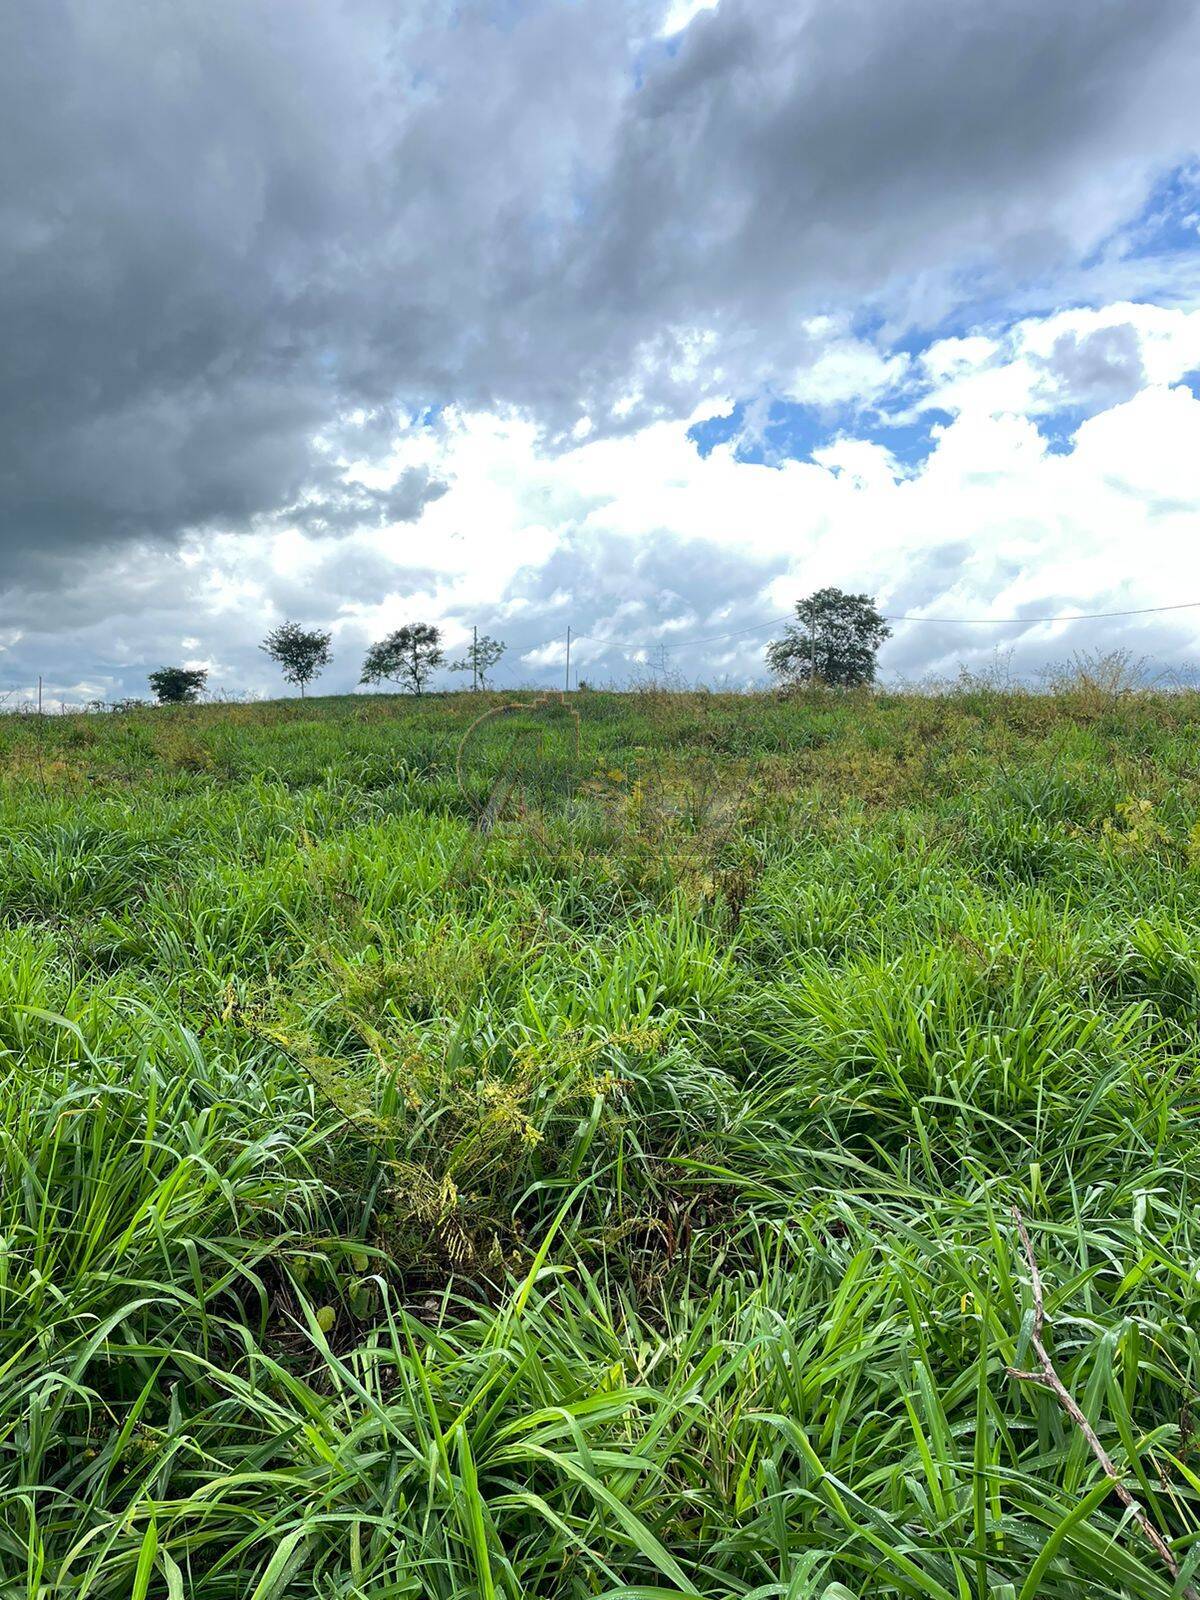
(575, 1154)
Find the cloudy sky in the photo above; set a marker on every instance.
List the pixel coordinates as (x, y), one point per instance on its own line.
(642, 316)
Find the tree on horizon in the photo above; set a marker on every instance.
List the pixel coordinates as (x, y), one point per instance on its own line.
(409, 656)
(301, 653)
(482, 655)
(834, 640)
(176, 686)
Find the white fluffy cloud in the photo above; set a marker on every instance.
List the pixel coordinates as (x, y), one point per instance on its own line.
(1083, 357)
(641, 542)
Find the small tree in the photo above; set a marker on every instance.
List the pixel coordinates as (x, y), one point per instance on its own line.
(409, 656)
(483, 653)
(834, 641)
(302, 653)
(176, 686)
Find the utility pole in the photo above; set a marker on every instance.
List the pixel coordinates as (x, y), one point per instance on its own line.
(39, 694)
(812, 646)
(474, 660)
(568, 677)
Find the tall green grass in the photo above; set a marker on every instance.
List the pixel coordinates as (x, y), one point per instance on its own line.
(429, 1170)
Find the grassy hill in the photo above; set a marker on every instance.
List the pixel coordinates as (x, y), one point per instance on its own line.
(573, 1151)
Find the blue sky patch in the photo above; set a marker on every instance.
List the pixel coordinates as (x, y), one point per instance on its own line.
(1170, 220)
(790, 432)
(707, 435)
(794, 432)
(912, 442)
(1058, 427)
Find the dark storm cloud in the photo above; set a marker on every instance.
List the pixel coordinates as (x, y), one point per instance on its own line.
(792, 153)
(221, 227)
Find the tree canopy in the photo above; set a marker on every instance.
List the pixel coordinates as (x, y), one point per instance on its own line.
(178, 685)
(409, 656)
(834, 640)
(302, 653)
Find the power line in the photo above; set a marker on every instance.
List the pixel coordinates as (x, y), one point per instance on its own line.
(738, 633)
(996, 622)
(1071, 616)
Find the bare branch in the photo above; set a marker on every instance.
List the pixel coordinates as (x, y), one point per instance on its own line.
(1047, 1378)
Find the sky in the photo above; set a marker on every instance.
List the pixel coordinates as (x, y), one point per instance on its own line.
(641, 317)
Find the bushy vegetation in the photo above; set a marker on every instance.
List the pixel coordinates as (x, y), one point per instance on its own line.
(834, 641)
(175, 686)
(460, 1151)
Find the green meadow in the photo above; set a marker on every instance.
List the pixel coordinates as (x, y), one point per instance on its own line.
(576, 1151)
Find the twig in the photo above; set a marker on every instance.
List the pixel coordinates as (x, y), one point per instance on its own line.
(1047, 1378)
